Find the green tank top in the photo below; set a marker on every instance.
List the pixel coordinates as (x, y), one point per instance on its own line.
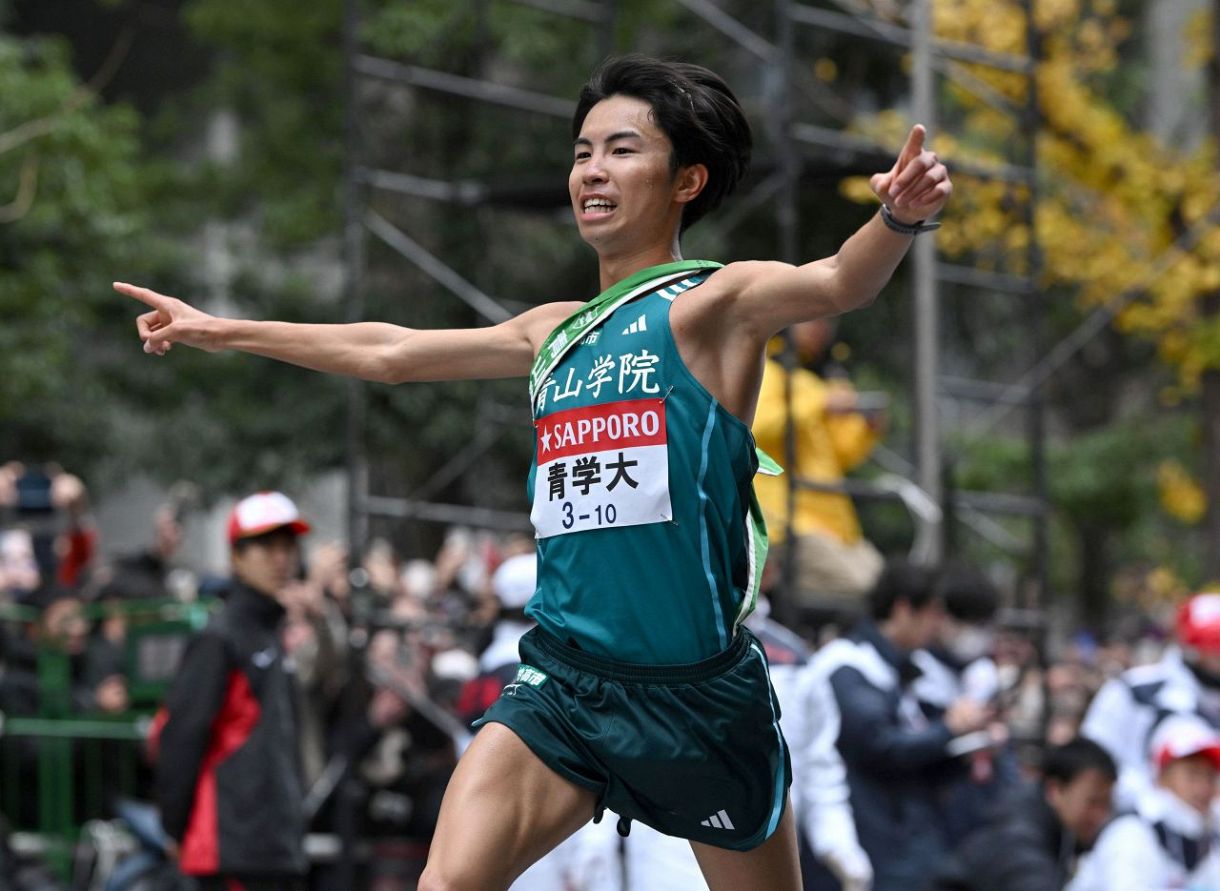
(641, 489)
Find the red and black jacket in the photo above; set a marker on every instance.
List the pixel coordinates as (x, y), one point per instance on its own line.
(228, 773)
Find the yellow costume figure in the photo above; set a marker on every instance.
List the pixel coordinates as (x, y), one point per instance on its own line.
(833, 559)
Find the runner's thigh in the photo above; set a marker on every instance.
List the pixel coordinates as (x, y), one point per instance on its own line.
(503, 809)
(772, 866)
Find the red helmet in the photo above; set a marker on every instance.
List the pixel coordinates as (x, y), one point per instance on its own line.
(1199, 622)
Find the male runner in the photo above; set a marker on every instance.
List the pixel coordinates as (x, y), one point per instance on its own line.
(640, 691)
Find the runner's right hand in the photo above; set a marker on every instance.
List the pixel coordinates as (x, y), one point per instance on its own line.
(171, 321)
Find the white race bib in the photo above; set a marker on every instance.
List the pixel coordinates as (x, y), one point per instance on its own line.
(602, 466)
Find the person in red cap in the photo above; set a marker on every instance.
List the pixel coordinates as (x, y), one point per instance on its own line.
(1169, 840)
(228, 769)
(1186, 680)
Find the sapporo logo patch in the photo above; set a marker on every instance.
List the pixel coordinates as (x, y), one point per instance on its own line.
(601, 466)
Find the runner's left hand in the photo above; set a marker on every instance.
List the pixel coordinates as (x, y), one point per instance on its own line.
(917, 186)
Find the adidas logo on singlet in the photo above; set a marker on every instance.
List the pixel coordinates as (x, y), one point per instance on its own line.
(718, 821)
(640, 324)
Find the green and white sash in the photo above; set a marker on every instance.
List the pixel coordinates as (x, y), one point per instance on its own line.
(573, 329)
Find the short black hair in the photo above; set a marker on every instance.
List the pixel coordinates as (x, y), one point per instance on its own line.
(692, 106)
(900, 580)
(1066, 762)
(969, 595)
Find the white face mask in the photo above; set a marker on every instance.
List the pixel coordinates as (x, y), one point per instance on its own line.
(970, 643)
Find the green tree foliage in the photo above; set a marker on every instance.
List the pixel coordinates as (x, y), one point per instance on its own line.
(96, 194)
(74, 196)
(277, 65)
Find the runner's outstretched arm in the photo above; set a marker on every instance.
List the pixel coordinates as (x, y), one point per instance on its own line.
(771, 295)
(374, 351)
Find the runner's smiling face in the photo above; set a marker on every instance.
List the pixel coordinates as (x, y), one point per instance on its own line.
(624, 194)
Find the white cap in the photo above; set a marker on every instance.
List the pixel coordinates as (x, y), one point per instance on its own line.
(1180, 736)
(262, 513)
(516, 580)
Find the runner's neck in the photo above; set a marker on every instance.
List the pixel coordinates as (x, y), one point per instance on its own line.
(612, 270)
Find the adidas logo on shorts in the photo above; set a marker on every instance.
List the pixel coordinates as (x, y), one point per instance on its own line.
(718, 821)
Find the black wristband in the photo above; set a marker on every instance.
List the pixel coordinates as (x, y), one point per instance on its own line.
(905, 228)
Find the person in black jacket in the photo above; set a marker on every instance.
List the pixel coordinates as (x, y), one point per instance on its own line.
(1033, 842)
(959, 664)
(228, 771)
(870, 761)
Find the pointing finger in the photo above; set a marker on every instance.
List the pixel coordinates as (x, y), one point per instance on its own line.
(144, 295)
(914, 145)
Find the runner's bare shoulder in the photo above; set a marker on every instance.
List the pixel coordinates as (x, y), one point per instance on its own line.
(542, 320)
(709, 306)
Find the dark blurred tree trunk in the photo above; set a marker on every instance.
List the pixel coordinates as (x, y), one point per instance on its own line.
(1210, 307)
(1211, 460)
(1095, 571)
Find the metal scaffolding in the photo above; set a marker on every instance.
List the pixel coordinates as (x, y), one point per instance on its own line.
(921, 484)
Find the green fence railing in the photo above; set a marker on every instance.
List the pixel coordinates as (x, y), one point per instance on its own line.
(60, 768)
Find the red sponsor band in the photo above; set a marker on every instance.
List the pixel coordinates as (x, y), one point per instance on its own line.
(595, 428)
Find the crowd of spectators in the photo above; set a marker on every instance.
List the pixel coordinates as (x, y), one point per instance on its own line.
(382, 649)
(395, 656)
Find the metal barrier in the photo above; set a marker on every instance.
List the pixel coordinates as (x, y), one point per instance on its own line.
(59, 768)
(59, 773)
(925, 513)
